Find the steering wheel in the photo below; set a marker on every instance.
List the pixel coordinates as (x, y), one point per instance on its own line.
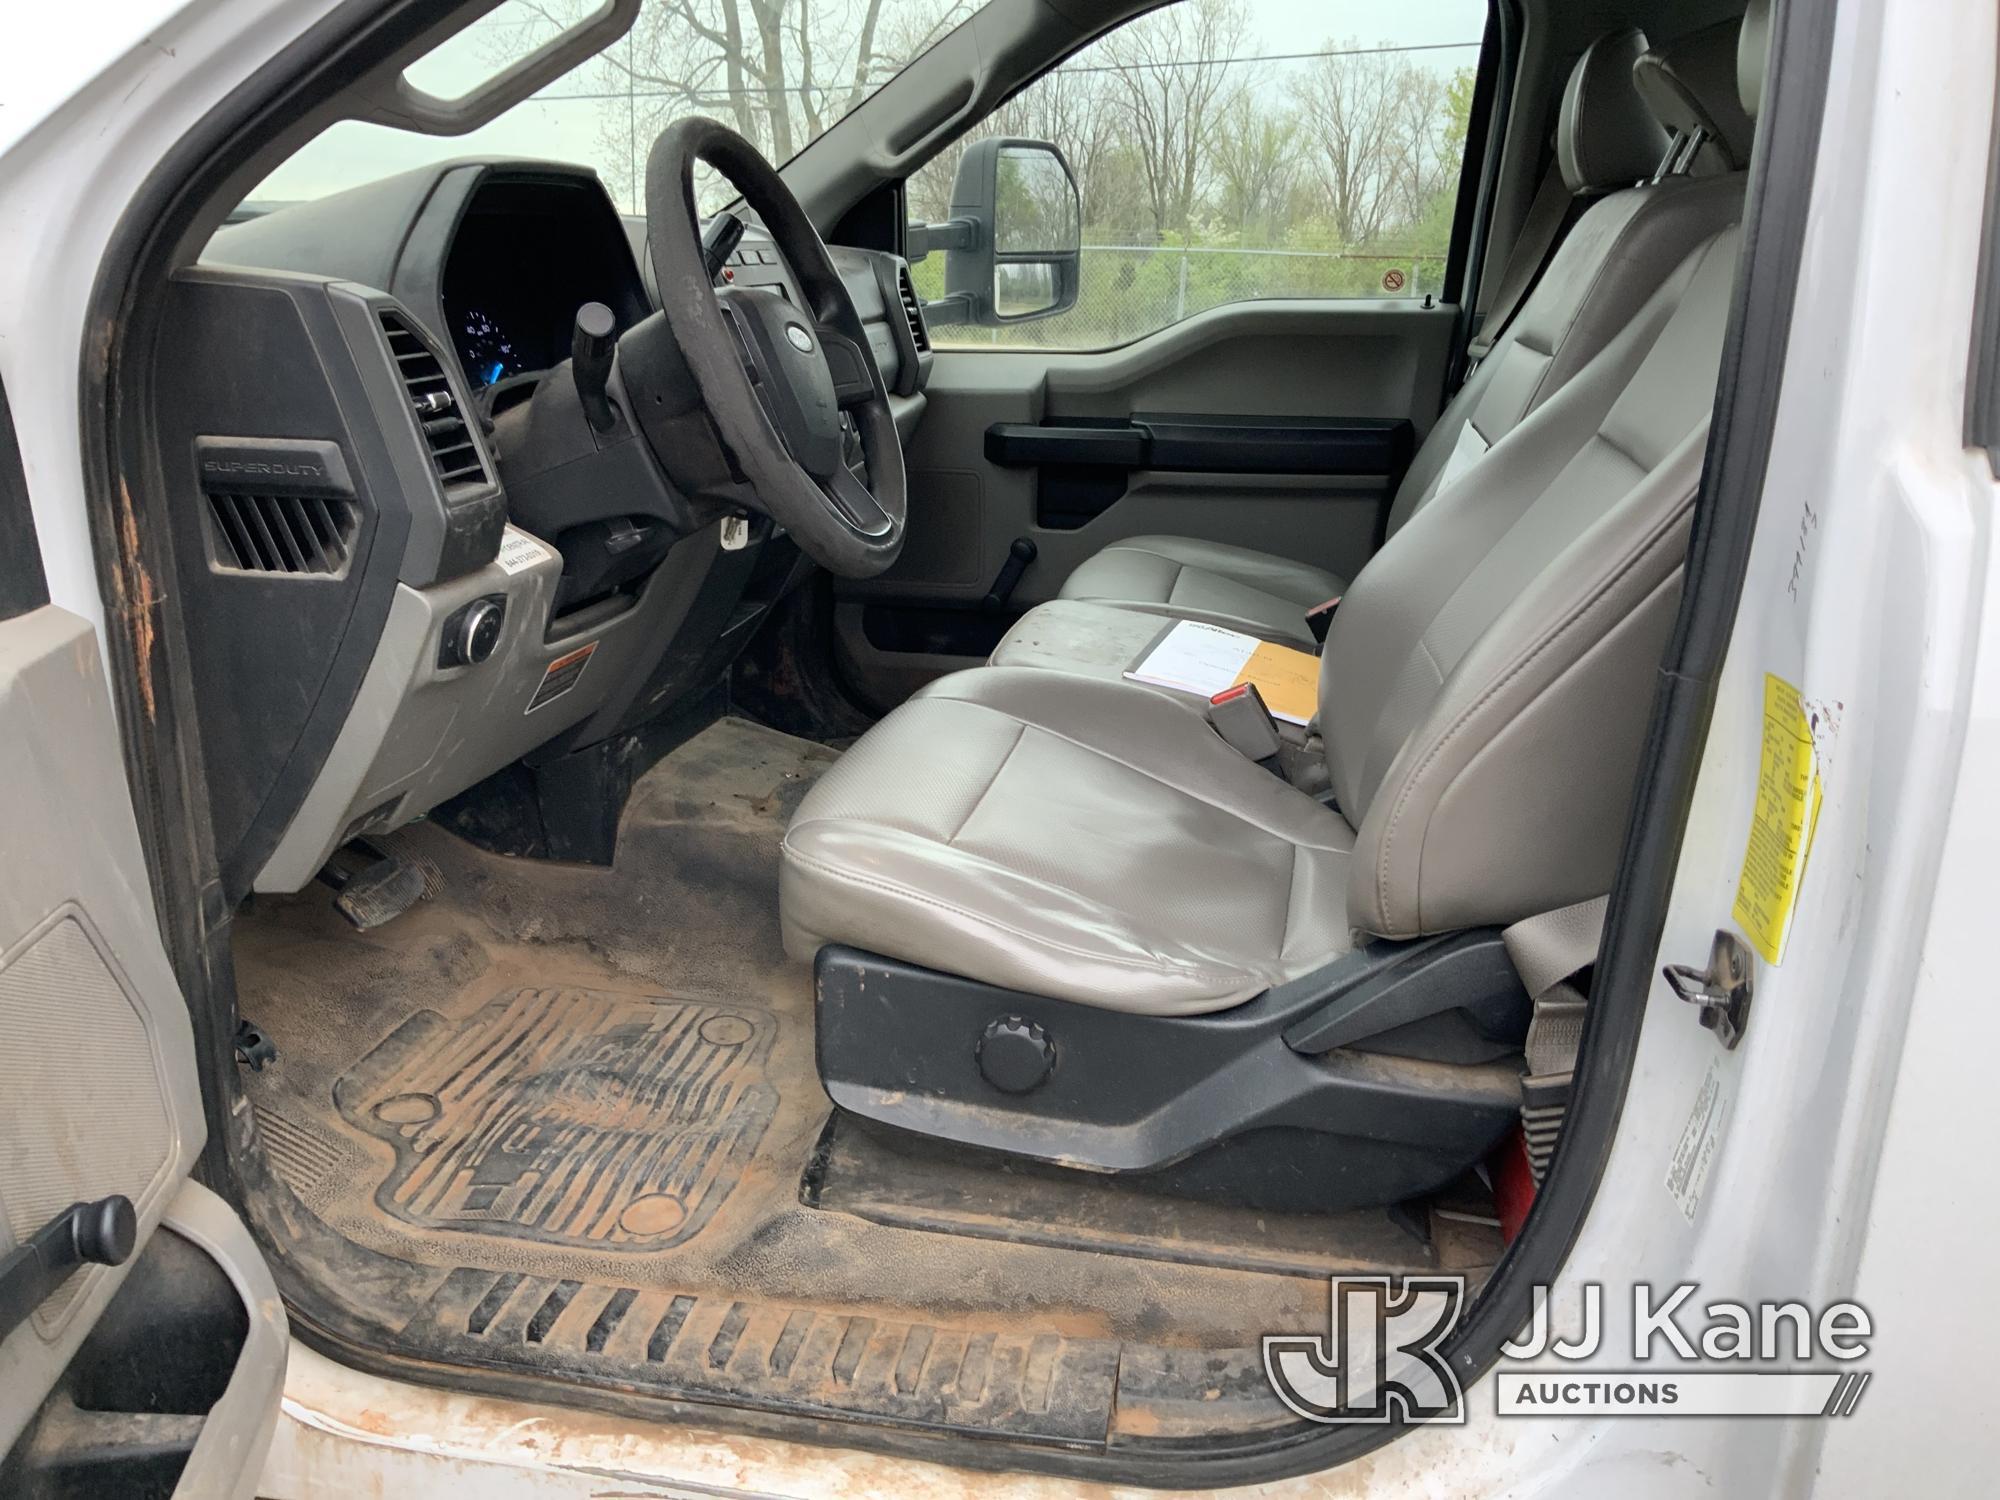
(781, 383)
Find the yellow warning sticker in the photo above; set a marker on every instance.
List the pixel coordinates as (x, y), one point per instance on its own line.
(1782, 824)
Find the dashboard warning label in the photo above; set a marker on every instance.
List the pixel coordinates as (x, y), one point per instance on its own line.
(519, 550)
(561, 675)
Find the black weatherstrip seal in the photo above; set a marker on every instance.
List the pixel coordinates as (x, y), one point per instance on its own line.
(163, 747)
(1982, 384)
(24, 585)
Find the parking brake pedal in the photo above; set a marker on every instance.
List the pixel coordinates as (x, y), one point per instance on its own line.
(371, 885)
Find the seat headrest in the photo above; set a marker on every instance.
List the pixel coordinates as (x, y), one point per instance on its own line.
(1753, 48)
(1606, 137)
(1691, 84)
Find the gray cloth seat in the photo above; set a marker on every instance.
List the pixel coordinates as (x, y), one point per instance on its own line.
(1492, 669)
(1212, 581)
(1610, 261)
(1483, 695)
(1040, 832)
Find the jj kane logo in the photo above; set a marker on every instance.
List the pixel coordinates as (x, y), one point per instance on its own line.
(1382, 1357)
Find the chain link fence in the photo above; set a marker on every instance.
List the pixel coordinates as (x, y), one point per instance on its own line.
(1129, 291)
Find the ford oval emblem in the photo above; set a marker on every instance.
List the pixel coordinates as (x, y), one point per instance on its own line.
(800, 339)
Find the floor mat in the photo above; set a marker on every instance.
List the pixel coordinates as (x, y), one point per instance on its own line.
(553, 1123)
(1042, 1386)
(567, 1116)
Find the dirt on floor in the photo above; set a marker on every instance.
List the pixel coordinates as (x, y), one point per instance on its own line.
(607, 1075)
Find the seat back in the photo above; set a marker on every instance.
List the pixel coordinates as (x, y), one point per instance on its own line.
(1635, 231)
(1496, 660)
(1485, 687)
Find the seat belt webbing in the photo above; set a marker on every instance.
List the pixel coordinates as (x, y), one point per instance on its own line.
(1547, 951)
(1539, 233)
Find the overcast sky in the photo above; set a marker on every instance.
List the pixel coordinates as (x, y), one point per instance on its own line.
(572, 129)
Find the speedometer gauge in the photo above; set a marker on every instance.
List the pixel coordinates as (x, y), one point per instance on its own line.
(486, 348)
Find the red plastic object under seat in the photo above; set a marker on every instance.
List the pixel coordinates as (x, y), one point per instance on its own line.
(1513, 1184)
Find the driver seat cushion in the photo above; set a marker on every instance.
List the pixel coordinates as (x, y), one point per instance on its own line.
(1071, 837)
(1214, 582)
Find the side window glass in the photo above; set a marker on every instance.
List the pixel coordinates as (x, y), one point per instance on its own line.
(1222, 151)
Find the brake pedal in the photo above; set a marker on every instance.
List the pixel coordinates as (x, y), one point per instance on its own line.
(371, 885)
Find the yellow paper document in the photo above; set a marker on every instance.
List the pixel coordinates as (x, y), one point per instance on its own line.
(1287, 679)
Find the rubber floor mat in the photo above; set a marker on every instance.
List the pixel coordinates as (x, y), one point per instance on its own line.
(545, 1134)
(567, 1116)
(757, 1354)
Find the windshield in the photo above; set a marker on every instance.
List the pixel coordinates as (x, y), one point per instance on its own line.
(782, 72)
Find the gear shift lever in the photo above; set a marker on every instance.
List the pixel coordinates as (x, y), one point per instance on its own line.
(590, 351)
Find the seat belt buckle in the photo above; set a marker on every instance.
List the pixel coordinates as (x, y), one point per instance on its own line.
(1238, 714)
(1319, 619)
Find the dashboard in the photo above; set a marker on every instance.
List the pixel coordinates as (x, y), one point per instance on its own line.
(528, 252)
(488, 579)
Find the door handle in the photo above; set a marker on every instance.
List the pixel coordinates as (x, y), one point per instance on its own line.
(98, 1234)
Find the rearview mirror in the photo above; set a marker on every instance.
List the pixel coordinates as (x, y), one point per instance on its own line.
(1013, 247)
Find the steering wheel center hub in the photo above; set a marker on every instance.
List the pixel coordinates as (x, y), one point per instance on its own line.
(789, 374)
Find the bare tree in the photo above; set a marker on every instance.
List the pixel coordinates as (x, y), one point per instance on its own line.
(1255, 159)
(1172, 81)
(779, 71)
(1350, 104)
(1427, 158)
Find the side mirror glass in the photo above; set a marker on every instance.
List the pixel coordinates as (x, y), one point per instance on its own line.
(1013, 246)
(1024, 289)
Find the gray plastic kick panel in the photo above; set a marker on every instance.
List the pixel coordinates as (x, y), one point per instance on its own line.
(420, 732)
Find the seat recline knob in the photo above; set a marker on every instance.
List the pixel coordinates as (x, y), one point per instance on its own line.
(1015, 1055)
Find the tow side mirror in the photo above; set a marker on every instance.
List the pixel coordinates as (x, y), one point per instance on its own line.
(1013, 247)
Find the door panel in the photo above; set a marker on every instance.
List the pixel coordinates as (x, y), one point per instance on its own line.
(1335, 379)
(97, 1073)
(99, 1097)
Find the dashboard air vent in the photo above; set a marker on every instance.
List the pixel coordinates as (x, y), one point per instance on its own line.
(913, 309)
(297, 534)
(453, 453)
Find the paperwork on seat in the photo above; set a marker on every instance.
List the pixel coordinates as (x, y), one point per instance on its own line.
(1195, 658)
